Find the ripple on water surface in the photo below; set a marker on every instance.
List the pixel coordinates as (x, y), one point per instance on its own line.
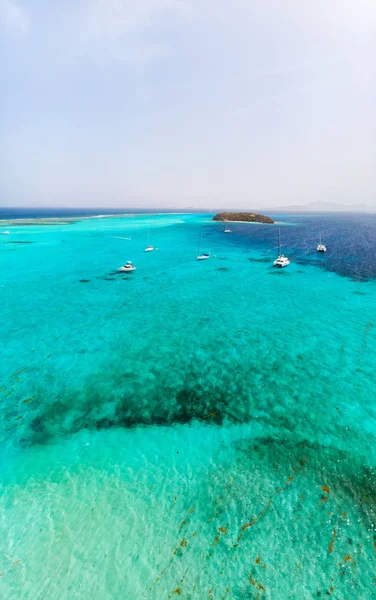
(198, 509)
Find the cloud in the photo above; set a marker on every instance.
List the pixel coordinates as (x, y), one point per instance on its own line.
(129, 31)
(116, 18)
(13, 17)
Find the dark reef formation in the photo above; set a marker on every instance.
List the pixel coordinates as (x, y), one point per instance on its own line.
(242, 216)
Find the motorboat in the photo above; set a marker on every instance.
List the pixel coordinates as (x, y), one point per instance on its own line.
(128, 267)
(5, 232)
(282, 260)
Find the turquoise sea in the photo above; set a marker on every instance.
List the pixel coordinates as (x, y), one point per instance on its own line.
(195, 430)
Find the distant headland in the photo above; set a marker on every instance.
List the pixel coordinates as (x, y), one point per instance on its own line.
(243, 217)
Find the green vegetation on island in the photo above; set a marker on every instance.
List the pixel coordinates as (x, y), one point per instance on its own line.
(242, 216)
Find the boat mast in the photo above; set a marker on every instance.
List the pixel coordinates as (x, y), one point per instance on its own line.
(279, 242)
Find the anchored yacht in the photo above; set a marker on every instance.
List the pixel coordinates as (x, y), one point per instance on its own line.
(149, 248)
(282, 260)
(321, 247)
(128, 267)
(202, 255)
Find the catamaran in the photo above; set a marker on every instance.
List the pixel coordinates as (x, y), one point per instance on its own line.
(227, 230)
(202, 255)
(149, 248)
(321, 247)
(128, 267)
(282, 260)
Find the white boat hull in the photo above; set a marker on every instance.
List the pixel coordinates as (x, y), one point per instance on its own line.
(281, 262)
(128, 267)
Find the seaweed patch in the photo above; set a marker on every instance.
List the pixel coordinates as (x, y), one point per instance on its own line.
(333, 539)
(259, 260)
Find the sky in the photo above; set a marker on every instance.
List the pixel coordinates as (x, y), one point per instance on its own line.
(187, 103)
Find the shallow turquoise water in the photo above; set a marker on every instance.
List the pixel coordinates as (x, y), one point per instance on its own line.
(193, 430)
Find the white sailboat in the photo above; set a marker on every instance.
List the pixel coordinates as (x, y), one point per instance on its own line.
(128, 267)
(149, 248)
(282, 260)
(202, 255)
(321, 247)
(227, 230)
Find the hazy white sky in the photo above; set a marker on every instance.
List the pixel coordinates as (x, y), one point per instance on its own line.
(187, 102)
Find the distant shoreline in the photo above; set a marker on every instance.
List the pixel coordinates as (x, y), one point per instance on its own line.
(73, 218)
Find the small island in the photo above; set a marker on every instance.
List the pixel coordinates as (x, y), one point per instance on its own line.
(243, 217)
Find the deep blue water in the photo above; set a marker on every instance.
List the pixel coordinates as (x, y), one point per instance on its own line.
(350, 239)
